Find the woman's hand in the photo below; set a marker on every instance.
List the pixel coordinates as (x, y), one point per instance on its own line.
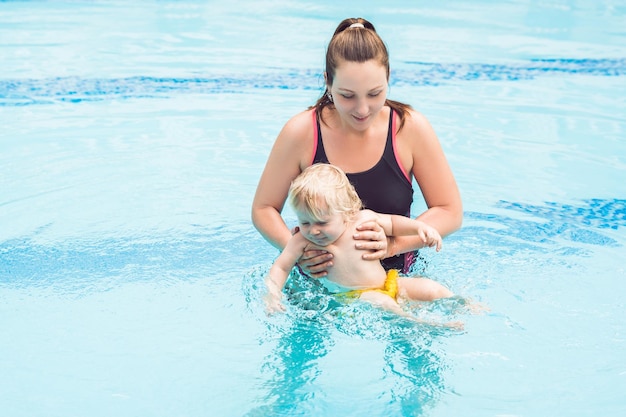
(372, 239)
(314, 262)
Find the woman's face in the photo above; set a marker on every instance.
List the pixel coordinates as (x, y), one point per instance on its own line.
(359, 91)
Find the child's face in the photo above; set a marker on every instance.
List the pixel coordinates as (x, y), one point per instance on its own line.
(321, 232)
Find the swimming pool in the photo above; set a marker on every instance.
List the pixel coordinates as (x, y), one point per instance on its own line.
(133, 135)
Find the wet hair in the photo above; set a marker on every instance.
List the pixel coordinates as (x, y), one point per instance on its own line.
(356, 40)
(322, 190)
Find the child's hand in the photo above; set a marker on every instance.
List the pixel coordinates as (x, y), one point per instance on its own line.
(430, 236)
(273, 303)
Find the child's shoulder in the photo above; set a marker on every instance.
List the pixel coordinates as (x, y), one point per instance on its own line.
(365, 215)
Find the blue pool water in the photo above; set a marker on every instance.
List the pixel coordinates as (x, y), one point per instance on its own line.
(132, 138)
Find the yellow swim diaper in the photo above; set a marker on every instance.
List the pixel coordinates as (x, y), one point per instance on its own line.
(390, 288)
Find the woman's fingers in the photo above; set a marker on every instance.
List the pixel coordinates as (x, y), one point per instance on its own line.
(375, 254)
(373, 249)
(372, 239)
(315, 263)
(318, 270)
(370, 225)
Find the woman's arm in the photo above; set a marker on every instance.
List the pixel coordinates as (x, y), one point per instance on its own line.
(419, 149)
(286, 160)
(291, 153)
(420, 153)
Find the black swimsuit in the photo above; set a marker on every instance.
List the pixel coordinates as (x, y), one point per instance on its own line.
(384, 188)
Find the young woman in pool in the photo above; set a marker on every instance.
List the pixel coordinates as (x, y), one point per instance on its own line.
(381, 144)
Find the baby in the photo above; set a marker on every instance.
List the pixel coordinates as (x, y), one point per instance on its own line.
(328, 210)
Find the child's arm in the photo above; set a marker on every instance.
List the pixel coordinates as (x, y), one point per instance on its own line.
(279, 272)
(395, 225)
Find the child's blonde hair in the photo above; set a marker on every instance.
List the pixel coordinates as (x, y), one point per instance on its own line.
(324, 189)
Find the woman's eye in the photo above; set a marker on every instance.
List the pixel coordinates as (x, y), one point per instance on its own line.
(351, 96)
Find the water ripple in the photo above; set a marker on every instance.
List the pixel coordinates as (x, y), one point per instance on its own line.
(561, 226)
(595, 212)
(22, 92)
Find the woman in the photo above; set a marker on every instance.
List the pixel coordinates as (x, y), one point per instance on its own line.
(381, 144)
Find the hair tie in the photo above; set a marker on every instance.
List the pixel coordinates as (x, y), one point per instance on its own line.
(357, 25)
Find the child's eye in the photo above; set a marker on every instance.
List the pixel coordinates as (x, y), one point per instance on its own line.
(347, 96)
(375, 94)
(304, 223)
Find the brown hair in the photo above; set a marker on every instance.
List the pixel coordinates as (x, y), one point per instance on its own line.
(356, 44)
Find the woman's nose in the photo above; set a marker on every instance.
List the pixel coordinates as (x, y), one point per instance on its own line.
(362, 107)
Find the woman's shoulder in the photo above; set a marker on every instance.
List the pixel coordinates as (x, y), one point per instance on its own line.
(300, 123)
(296, 136)
(416, 128)
(415, 120)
